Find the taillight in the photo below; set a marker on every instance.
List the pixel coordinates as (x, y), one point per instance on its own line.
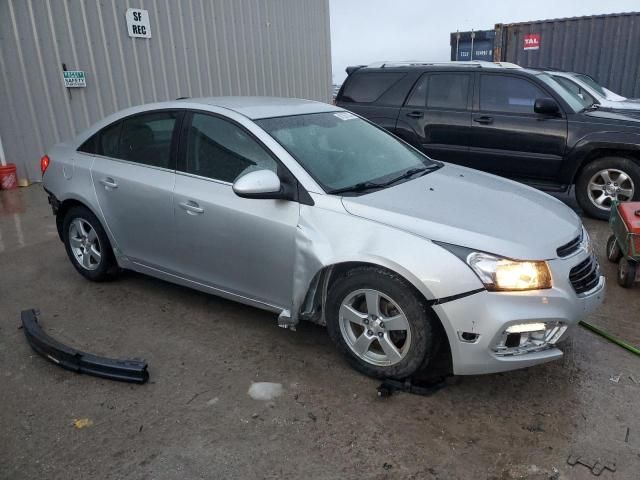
(44, 163)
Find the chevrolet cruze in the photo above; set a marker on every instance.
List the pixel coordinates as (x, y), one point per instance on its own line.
(308, 211)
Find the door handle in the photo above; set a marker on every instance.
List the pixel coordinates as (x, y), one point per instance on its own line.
(483, 120)
(108, 183)
(415, 114)
(192, 207)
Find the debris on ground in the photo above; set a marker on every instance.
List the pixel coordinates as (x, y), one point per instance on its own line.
(596, 466)
(265, 390)
(82, 422)
(67, 357)
(615, 378)
(408, 385)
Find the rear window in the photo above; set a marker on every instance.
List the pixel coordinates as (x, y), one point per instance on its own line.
(368, 87)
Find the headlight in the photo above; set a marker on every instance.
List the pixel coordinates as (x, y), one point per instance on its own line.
(502, 274)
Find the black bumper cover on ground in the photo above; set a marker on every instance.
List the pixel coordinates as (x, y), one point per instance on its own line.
(72, 359)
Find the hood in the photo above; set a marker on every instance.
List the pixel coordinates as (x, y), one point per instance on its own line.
(473, 209)
(613, 116)
(631, 105)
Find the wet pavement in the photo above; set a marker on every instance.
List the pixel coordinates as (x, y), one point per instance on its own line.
(195, 419)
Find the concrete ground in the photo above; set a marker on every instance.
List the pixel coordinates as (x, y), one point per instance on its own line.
(194, 418)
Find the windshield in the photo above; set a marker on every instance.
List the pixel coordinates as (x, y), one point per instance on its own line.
(608, 94)
(576, 89)
(573, 99)
(592, 83)
(340, 150)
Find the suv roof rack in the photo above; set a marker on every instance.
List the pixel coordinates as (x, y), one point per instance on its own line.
(421, 63)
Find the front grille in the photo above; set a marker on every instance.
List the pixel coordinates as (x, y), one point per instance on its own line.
(569, 248)
(585, 275)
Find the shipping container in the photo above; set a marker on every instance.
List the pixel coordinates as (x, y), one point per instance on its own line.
(606, 47)
(472, 45)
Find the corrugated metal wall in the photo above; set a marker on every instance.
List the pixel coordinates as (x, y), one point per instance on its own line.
(198, 48)
(606, 47)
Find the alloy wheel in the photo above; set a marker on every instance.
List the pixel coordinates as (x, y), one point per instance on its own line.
(608, 185)
(374, 327)
(85, 244)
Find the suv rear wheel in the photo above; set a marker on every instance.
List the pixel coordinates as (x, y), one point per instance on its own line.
(87, 245)
(380, 323)
(605, 180)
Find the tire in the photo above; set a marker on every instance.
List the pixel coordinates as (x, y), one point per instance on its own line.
(626, 273)
(597, 173)
(415, 338)
(87, 245)
(614, 253)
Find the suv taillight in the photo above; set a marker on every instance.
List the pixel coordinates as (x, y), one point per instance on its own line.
(44, 163)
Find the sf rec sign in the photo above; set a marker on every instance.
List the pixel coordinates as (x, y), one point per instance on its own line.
(138, 23)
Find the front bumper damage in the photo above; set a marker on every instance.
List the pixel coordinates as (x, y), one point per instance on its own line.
(134, 371)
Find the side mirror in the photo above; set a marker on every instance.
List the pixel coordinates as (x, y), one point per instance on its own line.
(546, 106)
(258, 184)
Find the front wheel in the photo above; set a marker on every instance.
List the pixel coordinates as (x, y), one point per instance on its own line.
(380, 323)
(605, 180)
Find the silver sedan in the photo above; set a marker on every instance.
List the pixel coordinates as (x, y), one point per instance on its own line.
(308, 211)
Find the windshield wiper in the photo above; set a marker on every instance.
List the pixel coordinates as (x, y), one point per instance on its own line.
(362, 186)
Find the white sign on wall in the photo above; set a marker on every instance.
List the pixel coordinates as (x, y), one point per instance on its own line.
(138, 23)
(74, 79)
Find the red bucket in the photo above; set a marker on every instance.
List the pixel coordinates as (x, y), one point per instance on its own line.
(8, 177)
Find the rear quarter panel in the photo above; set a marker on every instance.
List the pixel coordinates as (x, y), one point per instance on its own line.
(69, 178)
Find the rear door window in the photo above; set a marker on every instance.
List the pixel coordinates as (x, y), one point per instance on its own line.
(448, 90)
(105, 142)
(442, 90)
(418, 97)
(502, 93)
(368, 87)
(146, 139)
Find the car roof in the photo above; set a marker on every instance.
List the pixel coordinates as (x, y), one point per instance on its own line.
(265, 107)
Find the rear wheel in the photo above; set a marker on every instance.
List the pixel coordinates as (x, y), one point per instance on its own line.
(626, 273)
(380, 323)
(605, 180)
(614, 253)
(87, 245)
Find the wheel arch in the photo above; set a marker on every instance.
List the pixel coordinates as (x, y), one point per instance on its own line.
(64, 207)
(601, 152)
(313, 306)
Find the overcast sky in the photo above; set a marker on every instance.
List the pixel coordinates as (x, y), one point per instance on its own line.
(366, 31)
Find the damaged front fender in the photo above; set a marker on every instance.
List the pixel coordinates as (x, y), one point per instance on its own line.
(328, 236)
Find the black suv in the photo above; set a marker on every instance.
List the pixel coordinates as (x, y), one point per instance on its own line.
(510, 121)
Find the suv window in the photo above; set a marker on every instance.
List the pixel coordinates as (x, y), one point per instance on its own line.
(368, 87)
(443, 90)
(220, 150)
(501, 93)
(146, 138)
